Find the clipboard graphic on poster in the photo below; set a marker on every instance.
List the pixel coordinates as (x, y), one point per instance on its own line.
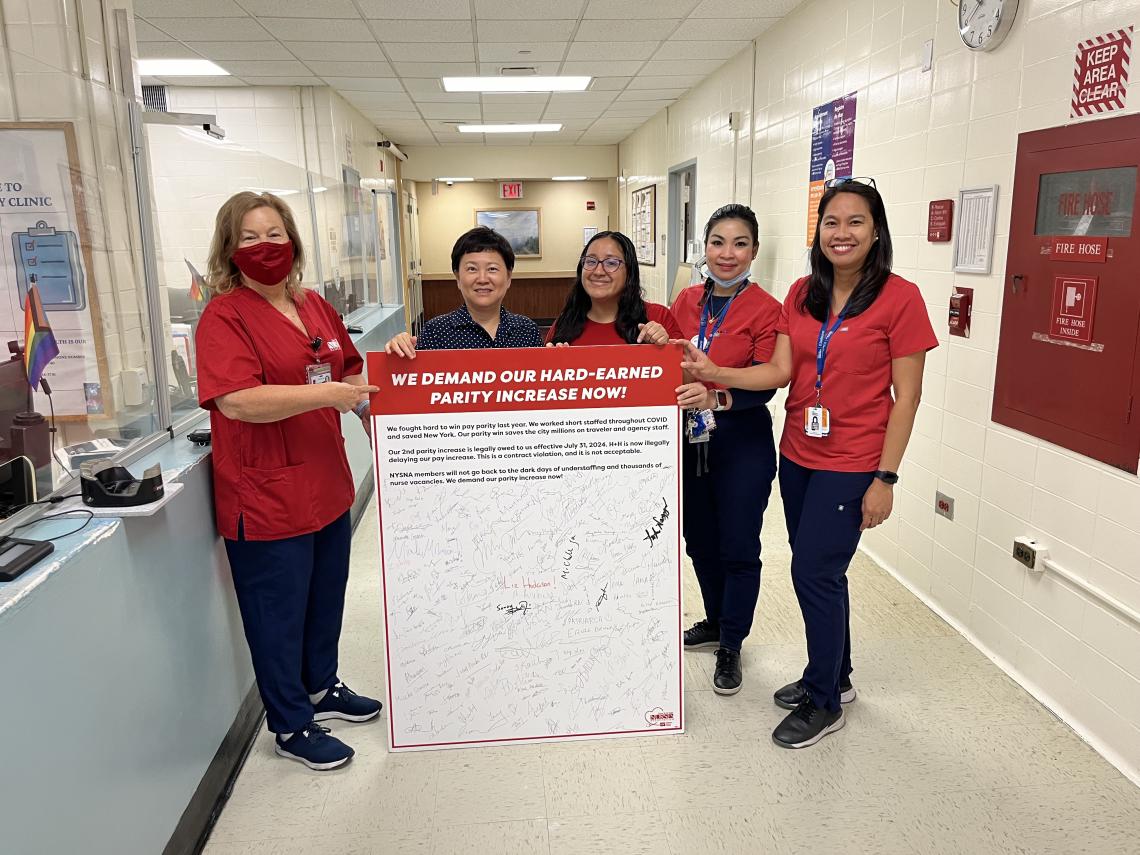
(50, 259)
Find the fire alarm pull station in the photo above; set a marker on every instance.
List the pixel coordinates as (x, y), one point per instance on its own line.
(1068, 366)
(961, 310)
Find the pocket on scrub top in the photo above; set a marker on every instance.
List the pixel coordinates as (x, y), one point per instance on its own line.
(275, 500)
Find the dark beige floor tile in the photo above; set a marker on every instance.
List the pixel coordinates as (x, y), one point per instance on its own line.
(521, 837)
(628, 834)
(476, 785)
(607, 776)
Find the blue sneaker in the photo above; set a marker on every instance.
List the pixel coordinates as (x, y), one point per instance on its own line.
(343, 703)
(313, 746)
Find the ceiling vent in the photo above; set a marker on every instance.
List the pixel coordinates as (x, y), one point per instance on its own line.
(518, 71)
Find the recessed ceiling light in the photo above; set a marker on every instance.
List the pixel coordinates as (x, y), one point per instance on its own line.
(568, 178)
(180, 68)
(508, 129)
(515, 84)
(454, 180)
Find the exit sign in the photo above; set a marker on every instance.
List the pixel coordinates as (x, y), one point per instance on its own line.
(510, 190)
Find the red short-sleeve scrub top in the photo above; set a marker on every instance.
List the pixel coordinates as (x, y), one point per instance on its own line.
(747, 334)
(595, 333)
(856, 376)
(284, 478)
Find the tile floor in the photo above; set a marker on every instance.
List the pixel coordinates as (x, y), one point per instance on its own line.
(942, 753)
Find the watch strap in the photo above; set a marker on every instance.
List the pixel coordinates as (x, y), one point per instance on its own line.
(887, 477)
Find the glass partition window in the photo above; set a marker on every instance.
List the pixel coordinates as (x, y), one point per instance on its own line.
(1089, 202)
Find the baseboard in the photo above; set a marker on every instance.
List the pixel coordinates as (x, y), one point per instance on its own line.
(206, 805)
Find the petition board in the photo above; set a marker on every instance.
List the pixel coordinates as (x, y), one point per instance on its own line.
(530, 519)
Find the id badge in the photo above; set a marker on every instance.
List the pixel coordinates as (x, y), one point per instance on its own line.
(817, 421)
(699, 424)
(320, 372)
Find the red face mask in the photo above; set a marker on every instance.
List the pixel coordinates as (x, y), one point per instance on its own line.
(266, 263)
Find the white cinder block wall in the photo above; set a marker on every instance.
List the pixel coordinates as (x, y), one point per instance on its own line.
(924, 135)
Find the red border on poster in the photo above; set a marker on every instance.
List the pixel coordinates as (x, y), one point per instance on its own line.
(601, 377)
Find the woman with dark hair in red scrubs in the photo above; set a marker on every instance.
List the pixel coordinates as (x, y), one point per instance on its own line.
(276, 368)
(848, 335)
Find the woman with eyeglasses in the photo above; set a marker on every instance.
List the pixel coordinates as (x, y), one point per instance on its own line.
(729, 457)
(849, 334)
(606, 305)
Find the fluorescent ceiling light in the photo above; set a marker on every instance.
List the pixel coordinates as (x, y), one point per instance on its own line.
(453, 180)
(515, 84)
(180, 68)
(568, 178)
(508, 129)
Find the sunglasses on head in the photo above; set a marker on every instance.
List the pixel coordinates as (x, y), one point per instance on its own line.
(850, 179)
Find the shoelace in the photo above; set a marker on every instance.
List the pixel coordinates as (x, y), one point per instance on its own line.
(806, 710)
(724, 656)
(309, 730)
(341, 689)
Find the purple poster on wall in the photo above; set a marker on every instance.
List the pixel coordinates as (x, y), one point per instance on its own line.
(832, 150)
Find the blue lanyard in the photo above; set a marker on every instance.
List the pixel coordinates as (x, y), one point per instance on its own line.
(824, 341)
(705, 343)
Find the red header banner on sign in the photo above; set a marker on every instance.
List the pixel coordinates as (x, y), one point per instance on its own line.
(551, 378)
(1100, 79)
(1094, 249)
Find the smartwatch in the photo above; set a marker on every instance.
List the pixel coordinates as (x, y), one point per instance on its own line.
(886, 477)
(720, 399)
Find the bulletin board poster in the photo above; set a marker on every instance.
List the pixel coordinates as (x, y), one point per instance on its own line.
(832, 151)
(530, 528)
(44, 241)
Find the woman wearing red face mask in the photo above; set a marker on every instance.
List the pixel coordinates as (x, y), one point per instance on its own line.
(276, 368)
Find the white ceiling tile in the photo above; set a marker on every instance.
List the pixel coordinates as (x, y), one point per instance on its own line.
(218, 51)
(582, 50)
(744, 8)
(146, 32)
(434, 69)
(305, 29)
(168, 50)
(545, 69)
(212, 29)
(266, 68)
(724, 29)
(426, 10)
(511, 100)
(512, 52)
(678, 49)
(416, 52)
(681, 68)
(394, 100)
(582, 99)
(457, 112)
(649, 81)
(347, 52)
(365, 84)
(523, 10)
(442, 97)
(299, 80)
(525, 31)
(521, 113)
(431, 32)
(339, 68)
(560, 114)
(649, 95)
(300, 8)
(621, 9)
(607, 84)
(603, 68)
(182, 9)
(626, 30)
(419, 87)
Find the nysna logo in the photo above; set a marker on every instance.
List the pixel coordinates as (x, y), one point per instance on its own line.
(658, 717)
(334, 344)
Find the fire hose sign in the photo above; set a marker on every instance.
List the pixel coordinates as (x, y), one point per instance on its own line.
(1074, 304)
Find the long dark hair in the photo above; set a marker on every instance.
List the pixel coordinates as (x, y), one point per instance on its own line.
(816, 298)
(731, 211)
(631, 304)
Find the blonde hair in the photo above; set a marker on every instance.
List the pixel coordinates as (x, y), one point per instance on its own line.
(222, 275)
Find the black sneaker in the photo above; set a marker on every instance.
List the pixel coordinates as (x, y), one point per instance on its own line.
(313, 746)
(727, 677)
(794, 694)
(806, 725)
(702, 635)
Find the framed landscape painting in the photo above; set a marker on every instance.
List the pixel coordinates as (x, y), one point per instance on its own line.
(520, 226)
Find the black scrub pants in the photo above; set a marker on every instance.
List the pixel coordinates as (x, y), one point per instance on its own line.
(291, 596)
(726, 484)
(823, 510)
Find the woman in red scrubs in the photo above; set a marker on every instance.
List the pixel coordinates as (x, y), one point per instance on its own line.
(728, 469)
(276, 368)
(849, 334)
(606, 305)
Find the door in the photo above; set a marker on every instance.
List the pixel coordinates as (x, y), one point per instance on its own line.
(1067, 356)
(682, 245)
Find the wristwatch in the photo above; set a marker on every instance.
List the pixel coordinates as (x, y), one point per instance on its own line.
(720, 399)
(886, 477)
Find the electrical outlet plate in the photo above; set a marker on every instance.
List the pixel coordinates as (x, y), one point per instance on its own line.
(944, 505)
(1029, 552)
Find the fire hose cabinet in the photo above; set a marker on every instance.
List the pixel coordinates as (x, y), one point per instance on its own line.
(1068, 366)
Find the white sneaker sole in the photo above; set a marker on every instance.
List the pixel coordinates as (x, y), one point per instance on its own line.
(807, 743)
(721, 691)
(319, 767)
(328, 716)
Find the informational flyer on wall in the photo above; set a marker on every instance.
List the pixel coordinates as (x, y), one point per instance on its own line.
(44, 242)
(832, 151)
(530, 518)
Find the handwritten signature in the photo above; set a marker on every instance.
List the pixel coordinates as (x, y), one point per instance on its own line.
(567, 556)
(602, 598)
(651, 534)
(512, 609)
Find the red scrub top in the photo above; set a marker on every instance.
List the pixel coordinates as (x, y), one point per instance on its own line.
(856, 376)
(746, 336)
(283, 478)
(594, 333)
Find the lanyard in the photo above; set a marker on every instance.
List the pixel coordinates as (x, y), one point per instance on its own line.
(824, 341)
(705, 343)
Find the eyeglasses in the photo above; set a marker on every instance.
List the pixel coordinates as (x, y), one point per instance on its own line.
(848, 179)
(610, 265)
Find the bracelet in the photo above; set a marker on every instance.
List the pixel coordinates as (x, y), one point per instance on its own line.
(361, 409)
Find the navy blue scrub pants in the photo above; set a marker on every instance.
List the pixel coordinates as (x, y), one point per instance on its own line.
(724, 509)
(823, 510)
(291, 596)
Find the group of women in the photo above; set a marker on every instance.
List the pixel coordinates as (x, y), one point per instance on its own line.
(276, 366)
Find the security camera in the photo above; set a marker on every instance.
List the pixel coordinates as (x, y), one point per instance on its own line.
(216, 131)
(450, 183)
